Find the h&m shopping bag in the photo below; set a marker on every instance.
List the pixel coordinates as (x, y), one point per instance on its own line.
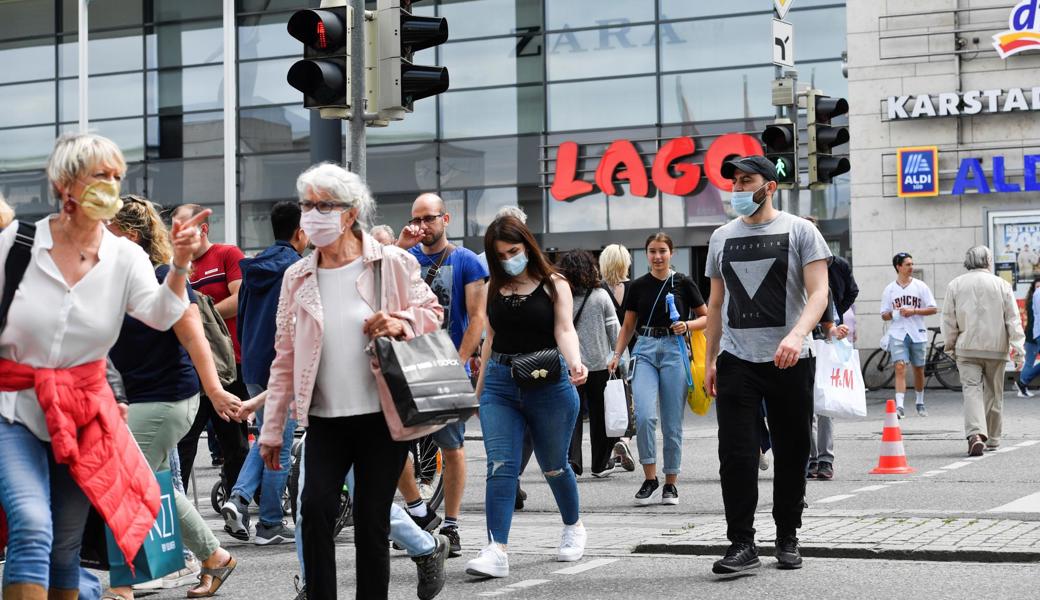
(162, 552)
(839, 389)
(615, 408)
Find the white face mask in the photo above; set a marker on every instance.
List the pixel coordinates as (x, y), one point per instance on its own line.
(322, 230)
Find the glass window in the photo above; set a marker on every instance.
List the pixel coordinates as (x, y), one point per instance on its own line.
(480, 163)
(491, 112)
(714, 43)
(174, 182)
(110, 52)
(402, 168)
(482, 18)
(264, 83)
(583, 214)
(278, 128)
(271, 176)
(23, 18)
(26, 148)
(174, 10)
(28, 192)
(603, 103)
(264, 36)
(705, 207)
(631, 212)
(824, 76)
(498, 61)
(179, 44)
(109, 96)
(681, 9)
(128, 134)
(605, 52)
(717, 95)
(254, 225)
(179, 90)
(186, 136)
(245, 6)
(111, 13)
(567, 14)
(26, 104)
(828, 27)
(27, 60)
(418, 125)
(484, 204)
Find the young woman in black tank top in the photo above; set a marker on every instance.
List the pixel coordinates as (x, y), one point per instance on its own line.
(529, 309)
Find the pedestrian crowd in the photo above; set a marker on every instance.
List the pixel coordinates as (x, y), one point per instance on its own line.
(123, 337)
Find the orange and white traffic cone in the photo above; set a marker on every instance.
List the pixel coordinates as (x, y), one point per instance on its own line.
(893, 455)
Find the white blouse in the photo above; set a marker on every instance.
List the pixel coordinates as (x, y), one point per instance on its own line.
(53, 326)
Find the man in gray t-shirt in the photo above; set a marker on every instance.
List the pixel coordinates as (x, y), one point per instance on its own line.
(768, 273)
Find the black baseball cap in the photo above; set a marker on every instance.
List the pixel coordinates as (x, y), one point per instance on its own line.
(750, 164)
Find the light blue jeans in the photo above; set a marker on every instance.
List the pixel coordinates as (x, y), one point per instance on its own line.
(403, 529)
(1030, 370)
(89, 585)
(659, 379)
(46, 512)
(254, 474)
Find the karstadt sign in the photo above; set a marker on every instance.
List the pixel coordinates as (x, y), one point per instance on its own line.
(974, 102)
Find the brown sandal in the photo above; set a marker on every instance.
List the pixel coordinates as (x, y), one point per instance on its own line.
(217, 578)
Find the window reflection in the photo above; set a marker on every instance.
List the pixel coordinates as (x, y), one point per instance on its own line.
(715, 43)
(480, 163)
(601, 52)
(175, 182)
(182, 44)
(264, 36)
(565, 14)
(418, 125)
(480, 18)
(179, 90)
(254, 226)
(172, 10)
(605, 103)
(716, 95)
(402, 168)
(27, 104)
(128, 134)
(264, 83)
(491, 112)
(499, 61)
(26, 148)
(583, 214)
(28, 192)
(109, 96)
(483, 205)
(110, 52)
(186, 136)
(628, 211)
(273, 129)
(271, 176)
(17, 21)
(24, 61)
(681, 9)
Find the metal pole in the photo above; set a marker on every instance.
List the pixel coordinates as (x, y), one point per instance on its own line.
(326, 139)
(358, 154)
(230, 126)
(82, 41)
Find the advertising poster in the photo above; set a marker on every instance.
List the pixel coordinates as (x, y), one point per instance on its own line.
(1014, 238)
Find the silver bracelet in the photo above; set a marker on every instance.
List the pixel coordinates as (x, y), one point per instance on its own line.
(180, 270)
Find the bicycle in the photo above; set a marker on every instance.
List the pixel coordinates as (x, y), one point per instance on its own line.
(879, 370)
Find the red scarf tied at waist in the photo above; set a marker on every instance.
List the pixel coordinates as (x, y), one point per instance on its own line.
(89, 435)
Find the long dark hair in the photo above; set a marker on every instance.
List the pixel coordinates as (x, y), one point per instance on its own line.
(1029, 304)
(580, 269)
(508, 228)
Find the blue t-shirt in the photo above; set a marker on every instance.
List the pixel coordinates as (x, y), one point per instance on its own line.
(154, 365)
(460, 268)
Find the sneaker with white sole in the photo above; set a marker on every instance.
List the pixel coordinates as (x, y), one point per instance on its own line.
(267, 535)
(623, 456)
(236, 518)
(669, 494)
(1023, 391)
(186, 576)
(491, 562)
(572, 543)
(649, 493)
(607, 471)
(921, 410)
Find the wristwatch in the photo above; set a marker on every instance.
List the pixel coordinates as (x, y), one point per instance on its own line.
(185, 270)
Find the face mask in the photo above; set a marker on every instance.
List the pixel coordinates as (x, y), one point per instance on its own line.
(744, 202)
(516, 265)
(100, 200)
(843, 350)
(321, 229)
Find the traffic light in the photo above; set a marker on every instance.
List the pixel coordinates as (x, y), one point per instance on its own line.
(823, 137)
(402, 34)
(781, 147)
(323, 74)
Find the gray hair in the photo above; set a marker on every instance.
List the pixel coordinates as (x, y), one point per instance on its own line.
(512, 211)
(389, 231)
(76, 154)
(342, 185)
(978, 257)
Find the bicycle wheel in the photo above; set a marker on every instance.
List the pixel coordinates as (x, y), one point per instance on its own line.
(217, 495)
(879, 371)
(945, 370)
(428, 464)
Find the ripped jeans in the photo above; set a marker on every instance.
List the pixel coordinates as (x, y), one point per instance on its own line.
(506, 410)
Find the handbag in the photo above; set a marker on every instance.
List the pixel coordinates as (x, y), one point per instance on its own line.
(697, 395)
(535, 369)
(615, 408)
(161, 553)
(839, 390)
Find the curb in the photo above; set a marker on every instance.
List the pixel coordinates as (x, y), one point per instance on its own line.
(809, 551)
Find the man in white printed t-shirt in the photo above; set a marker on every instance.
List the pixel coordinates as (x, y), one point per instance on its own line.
(905, 303)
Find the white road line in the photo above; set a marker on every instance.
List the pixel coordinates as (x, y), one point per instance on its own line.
(1026, 504)
(956, 465)
(901, 481)
(1027, 443)
(1008, 449)
(837, 498)
(586, 566)
(870, 488)
(527, 583)
(932, 473)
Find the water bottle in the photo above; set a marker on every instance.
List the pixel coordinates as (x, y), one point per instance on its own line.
(673, 313)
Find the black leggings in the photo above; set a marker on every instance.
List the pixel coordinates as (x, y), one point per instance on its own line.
(591, 394)
(233, 438)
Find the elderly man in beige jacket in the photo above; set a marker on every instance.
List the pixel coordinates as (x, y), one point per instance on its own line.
(981, 324)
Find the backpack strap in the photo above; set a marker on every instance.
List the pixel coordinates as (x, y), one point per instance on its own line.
(14, 268)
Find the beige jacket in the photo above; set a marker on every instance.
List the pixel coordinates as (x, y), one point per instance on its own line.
(980, 317)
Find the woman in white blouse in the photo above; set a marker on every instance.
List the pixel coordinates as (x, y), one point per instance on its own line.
(66, 314)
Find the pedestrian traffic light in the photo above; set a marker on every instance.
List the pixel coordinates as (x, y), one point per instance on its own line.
(781, 148)
(322, 75)
(823, 137)
(401, 34)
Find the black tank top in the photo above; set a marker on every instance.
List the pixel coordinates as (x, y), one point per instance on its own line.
(522, 323)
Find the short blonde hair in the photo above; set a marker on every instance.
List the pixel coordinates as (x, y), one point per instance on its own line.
(75, 154)
(6, 213)
(342, 185)
(614, 263)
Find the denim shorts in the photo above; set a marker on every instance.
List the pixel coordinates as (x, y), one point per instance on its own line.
(907, 350)
(451, 436)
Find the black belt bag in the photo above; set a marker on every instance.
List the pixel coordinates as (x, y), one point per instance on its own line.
(533, 369)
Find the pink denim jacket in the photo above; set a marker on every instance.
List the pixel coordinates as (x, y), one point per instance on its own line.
(298, 337)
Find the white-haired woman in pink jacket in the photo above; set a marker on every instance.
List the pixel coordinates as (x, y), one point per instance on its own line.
(328, 312)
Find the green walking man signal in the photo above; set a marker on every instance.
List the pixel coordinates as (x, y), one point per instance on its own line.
(781, 168)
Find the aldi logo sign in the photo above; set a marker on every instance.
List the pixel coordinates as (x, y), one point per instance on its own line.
(1023, 30)
(918, 171)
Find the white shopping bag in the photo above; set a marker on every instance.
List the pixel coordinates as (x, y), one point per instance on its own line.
(839, 389)
(615, 408)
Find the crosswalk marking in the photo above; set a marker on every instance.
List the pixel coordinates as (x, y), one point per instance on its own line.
(1027, 443)
(956, 465)
(585, 566)
(1026, 504)
(527, 583)
(837, 498)
(870, 488)
(932, 473)
(1008, 448)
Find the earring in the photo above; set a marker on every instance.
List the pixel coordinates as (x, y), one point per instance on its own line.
(69, 206)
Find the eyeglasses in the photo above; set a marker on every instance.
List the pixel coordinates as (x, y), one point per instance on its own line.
(324, 207)
(428, 219)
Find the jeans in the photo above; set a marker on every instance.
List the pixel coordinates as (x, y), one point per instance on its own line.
(232, 435)
(254, 474)
(89, 585)
(821, 440)
(591, 393)
(1030, 370)
(46, 512)
(788, 395)
(334, 446)
(659, 376)
(505, 411)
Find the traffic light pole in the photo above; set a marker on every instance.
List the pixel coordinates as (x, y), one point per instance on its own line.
(358, 152)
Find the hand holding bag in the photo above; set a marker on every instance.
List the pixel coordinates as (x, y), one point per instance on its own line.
(838, 389)
(615, 408)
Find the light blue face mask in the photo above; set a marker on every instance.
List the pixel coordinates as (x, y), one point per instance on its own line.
(843, 350)
(744, 202)
(516, 265)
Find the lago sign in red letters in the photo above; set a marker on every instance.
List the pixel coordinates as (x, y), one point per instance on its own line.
(668, 173)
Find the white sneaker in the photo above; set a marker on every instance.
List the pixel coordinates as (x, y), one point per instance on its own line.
(155, 584)
(605, 472)
(572, 543)
(491, 562)
(186, 576)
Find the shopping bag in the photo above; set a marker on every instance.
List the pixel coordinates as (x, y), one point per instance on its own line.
(161, 553)
(697, 395)
(615, 408)
(839, 389)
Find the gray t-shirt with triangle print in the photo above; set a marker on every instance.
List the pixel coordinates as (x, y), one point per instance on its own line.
(761, 266)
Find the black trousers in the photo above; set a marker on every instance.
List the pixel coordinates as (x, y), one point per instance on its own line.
(233, 437)
(591, 394)
(333, 446)
(788, 395)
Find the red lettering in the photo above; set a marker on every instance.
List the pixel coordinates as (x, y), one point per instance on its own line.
(836, 377)
(622, 153)
(849, 383)
(724, 148)
(565, 184)
(689, 174)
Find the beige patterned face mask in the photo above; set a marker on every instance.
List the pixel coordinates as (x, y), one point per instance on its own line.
(100, 200)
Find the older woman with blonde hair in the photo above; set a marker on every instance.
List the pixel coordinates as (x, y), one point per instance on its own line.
(615, 262)
(65, 445)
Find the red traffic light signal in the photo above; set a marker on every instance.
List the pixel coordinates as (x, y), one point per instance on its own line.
(322, 74)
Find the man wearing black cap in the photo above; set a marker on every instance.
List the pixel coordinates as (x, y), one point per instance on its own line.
(768, 273)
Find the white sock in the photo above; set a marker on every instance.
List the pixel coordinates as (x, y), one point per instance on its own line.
(899, 399)
(419, 509)
(920, 396)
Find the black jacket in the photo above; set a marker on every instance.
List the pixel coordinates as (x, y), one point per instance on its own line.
(842, 285)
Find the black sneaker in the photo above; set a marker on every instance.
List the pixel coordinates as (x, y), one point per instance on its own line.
(454, 544)
(521, 497)
(825, 472)
(669, 494)
(740, 557)
(787, 555)
(431, 569)
(649, 493)
(429, 522)
(813, 471)
(267, 535)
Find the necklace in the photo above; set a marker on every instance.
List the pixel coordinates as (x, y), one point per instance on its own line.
(82, 254)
